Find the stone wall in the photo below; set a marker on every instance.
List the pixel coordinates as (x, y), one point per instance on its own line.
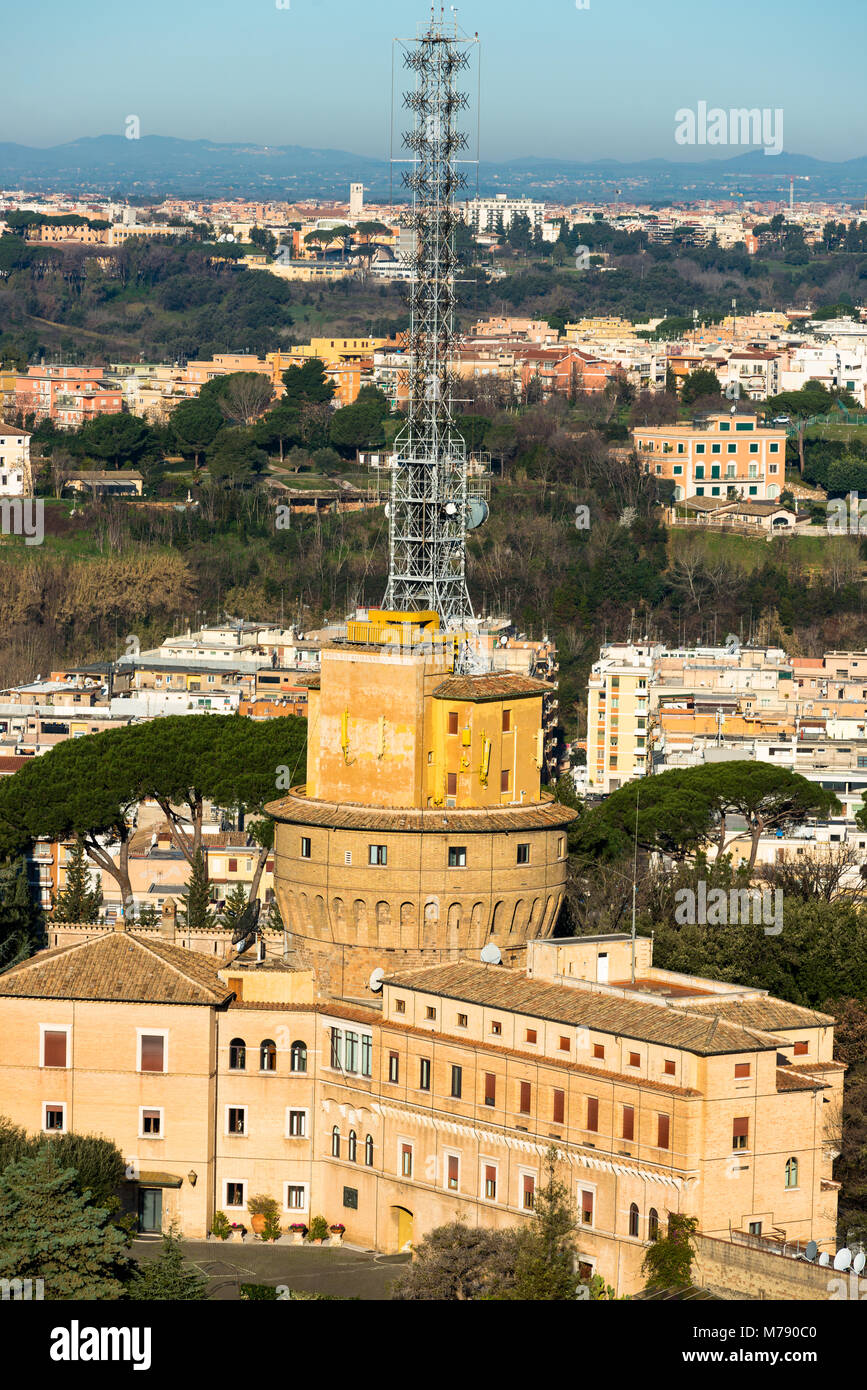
(743, 1272)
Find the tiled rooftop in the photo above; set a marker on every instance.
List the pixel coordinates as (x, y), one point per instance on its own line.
(498, 987)
(120, 967)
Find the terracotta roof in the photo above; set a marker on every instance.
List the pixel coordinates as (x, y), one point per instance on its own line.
(787, 1082)
(498, 987)
(809, 1067)
(301, 810)
(120, 967)
(766, 1014)
(12, 763)
(492, 687)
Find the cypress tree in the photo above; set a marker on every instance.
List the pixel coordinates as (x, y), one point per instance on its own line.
(78, 902)
(196, 910)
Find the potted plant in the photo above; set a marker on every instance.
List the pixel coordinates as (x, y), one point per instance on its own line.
(238, 1231)
(220, 1226)
(298, 1231)
(264, 1211)
(337, 1233)
(318, 1230)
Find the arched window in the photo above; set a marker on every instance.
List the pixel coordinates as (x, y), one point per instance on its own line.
(298, 1057)
(633, 1220)
(267, 1055)
(791, 1172)
(353, 1147)
(237, 1054)
(652, 1224)
(368, 1150)
(335, 1142)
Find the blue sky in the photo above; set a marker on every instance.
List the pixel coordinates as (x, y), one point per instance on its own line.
(558, 81)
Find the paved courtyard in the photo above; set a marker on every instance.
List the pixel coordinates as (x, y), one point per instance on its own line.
(347, 1272)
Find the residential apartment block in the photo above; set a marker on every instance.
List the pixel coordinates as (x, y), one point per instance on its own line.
(724, 455)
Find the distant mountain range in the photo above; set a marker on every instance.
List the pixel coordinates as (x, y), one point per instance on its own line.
(162, 164)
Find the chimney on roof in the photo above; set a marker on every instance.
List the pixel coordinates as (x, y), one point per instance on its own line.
(169, 919)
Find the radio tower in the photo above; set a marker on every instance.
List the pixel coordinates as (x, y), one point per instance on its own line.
(428, 510)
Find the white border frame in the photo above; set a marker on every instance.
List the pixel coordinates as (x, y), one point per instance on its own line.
(300, 1211)
(152, 1033)
(235, 1133)
(54, 1105)
(141, 1130)
(55, 1028)
(297, 1110)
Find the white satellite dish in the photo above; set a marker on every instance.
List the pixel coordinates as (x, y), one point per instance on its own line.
(859, 1262)
(491, 954)
(843, 1259)
(376, 978)
(811, 1251)
(824, 1259)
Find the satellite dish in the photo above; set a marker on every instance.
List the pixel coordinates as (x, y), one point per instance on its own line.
(450, 509)
(245, 944)
(859, 1262)
(477, 513)
(811, 1251)
(824, 1259)
(491, 954)
(375, 981)
(387, 509)
(843, 1259)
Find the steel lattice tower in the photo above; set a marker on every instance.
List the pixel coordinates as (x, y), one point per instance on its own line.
(428, 506)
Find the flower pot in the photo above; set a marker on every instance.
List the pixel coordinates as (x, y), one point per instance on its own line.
(297, 1237)
(237, 1235)
(258, 1224)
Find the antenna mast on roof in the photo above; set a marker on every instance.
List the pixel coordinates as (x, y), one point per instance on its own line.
(428, 508)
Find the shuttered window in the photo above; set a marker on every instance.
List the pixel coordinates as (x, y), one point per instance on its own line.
(529, 1191)
(587, 1208)
(592, 1113)
(54, 1049)
(559, 1107)
(490, 1183)
(740, 1133)
(525, 1097)
(453, 1172)
(490, 1088)
(742, 1068)
(663, 1125)
(152, 1052)
(628, 1122)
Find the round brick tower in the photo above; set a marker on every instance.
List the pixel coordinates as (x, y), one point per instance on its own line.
(422, 833)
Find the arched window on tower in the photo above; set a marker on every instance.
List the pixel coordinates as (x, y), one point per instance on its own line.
(335, 1142)
(633, 1220)
(352, 1148)
(268, 1055)
(368, 1150)
(298, 1057)
(237, 1054)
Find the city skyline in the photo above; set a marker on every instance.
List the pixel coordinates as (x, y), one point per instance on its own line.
(595, 83)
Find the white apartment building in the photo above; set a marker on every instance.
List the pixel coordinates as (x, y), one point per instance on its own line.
(836, 364)
(617, 715)
(15, 477)
(488, 214)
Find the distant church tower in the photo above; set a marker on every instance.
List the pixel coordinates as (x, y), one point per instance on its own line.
(356, 199)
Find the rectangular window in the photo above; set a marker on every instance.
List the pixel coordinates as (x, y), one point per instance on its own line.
(663, 1130)
(528, 1191)
(628, 1128)
(151, 1124)
(393, 1067)
(236, 1119)
(490, 1088)
(400, 1006)
(453, 721)
(507, 720)
(297, 1127)
(452, 1172)
(235, 1194)
(531, 1035)
(490, 1182)
(54, 1047)
(668, 1067)
(430, 1011)
(366, 1054)
(525, 1097)
(457, 857)
(634, 1059)
(377, 854)
(305, 847)
(742, 1068)
(337, 1049)
(424, 1074)
(406, 1160)
(54, 1118)
(565, 1044)
(699, 470)
(504, 780)
(351, 1063)
(451, 784)
(457, 1082)
(523, 854)
(801, 1049)
(592, 1114)
(296, 1196)
(152, 1052)
(497, 1028)
(699, 449)
(586, 1208)
(740, 1133)
(598, 1050)
(559, 1110)
(462, 1020)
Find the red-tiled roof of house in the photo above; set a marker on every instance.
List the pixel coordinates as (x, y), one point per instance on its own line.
(491, 687)
(117, 967)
